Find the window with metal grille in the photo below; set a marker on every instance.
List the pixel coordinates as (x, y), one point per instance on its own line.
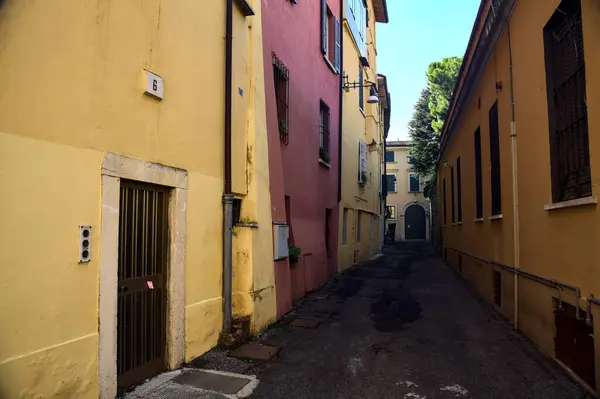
(452, 194)
(567, 105)
(281, 76)
(495, 161)
(478, 176)
(324, 128)
(458, 190)
(497, 289)
(444, 201)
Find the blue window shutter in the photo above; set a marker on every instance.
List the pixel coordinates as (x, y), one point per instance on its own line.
(361, 91)
(337, 62)
(324, 40)
(390, 183)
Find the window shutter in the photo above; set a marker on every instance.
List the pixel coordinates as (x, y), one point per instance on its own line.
(361, 93)
(324, 40)
(338, 45)
(391, 183)
(362, 161)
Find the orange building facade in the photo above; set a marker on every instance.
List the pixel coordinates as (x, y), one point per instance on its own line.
(518, 176)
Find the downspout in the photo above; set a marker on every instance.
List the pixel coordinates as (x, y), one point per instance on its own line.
(227, 194)
(515, 183)
(341, 98)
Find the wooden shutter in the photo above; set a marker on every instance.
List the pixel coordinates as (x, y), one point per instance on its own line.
(495, 161)
(362, 161)
(337, 30)
(478, 175)
(391, 183)
(324, 40)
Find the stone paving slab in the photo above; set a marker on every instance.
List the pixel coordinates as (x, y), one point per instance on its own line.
(305, 323)
(206, 380)
(255, 351)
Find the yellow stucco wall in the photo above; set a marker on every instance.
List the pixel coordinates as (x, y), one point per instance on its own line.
(401, 169)
(73, 92)
(559, 244)
(360, 201)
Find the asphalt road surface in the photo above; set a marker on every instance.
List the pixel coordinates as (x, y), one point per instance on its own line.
(405, 326)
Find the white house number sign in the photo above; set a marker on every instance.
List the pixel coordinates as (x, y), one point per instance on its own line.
(154, 85)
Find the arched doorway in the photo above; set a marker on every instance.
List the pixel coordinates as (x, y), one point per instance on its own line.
(415, 223)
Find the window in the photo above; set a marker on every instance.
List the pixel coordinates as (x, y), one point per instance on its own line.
(567, 104)
(391, 212)
(452, 193)
(497, 289)
(444, 201)
(356, 15)
(331, 36)
(458, 189)
(478, 176)
(362, 163)
(281, 77)
(328, 214)
(358, 227)
(391, 183)
(414, 183)
(345, 227)
(324, 126)
(495, 161)
(390, 156)
(361, 89)
(288, 220)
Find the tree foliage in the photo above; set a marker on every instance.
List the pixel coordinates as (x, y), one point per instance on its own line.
(425, 141)
(429, 116)
(441, 79)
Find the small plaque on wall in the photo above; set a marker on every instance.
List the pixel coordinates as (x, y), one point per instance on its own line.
(154, 85)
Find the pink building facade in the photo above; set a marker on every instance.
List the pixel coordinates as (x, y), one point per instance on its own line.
(302, 60)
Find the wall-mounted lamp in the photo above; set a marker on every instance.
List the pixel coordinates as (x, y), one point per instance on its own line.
(373, 96)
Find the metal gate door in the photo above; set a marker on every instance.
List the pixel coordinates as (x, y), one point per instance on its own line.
(143, 256)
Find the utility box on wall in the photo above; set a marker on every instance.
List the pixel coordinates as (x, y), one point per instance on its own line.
(281, 234)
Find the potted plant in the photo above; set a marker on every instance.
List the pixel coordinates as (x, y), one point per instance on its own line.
(294, 255)
(363, 178)
(283, 128)
(324, 154)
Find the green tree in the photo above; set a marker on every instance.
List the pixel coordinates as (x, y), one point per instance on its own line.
(425, 129)
(425, 141)
(441, 79)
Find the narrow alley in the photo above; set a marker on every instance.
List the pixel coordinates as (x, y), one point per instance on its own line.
(400, 326)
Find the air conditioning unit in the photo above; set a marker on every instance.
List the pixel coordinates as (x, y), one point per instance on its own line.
(281, 233)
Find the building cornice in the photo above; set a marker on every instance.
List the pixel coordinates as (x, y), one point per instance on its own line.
(477, 56)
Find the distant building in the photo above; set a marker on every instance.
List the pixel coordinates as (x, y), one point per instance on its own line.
(519, 173)
(407, 209)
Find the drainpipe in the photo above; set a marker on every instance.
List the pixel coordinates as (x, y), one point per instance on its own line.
(515, 183)
(339, 193)
(227, 194)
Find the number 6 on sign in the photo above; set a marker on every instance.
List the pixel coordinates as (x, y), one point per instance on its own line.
(153, 85)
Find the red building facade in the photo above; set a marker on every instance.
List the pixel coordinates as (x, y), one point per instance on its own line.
(302, 62)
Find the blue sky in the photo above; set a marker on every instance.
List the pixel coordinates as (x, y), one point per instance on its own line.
(419, 32)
